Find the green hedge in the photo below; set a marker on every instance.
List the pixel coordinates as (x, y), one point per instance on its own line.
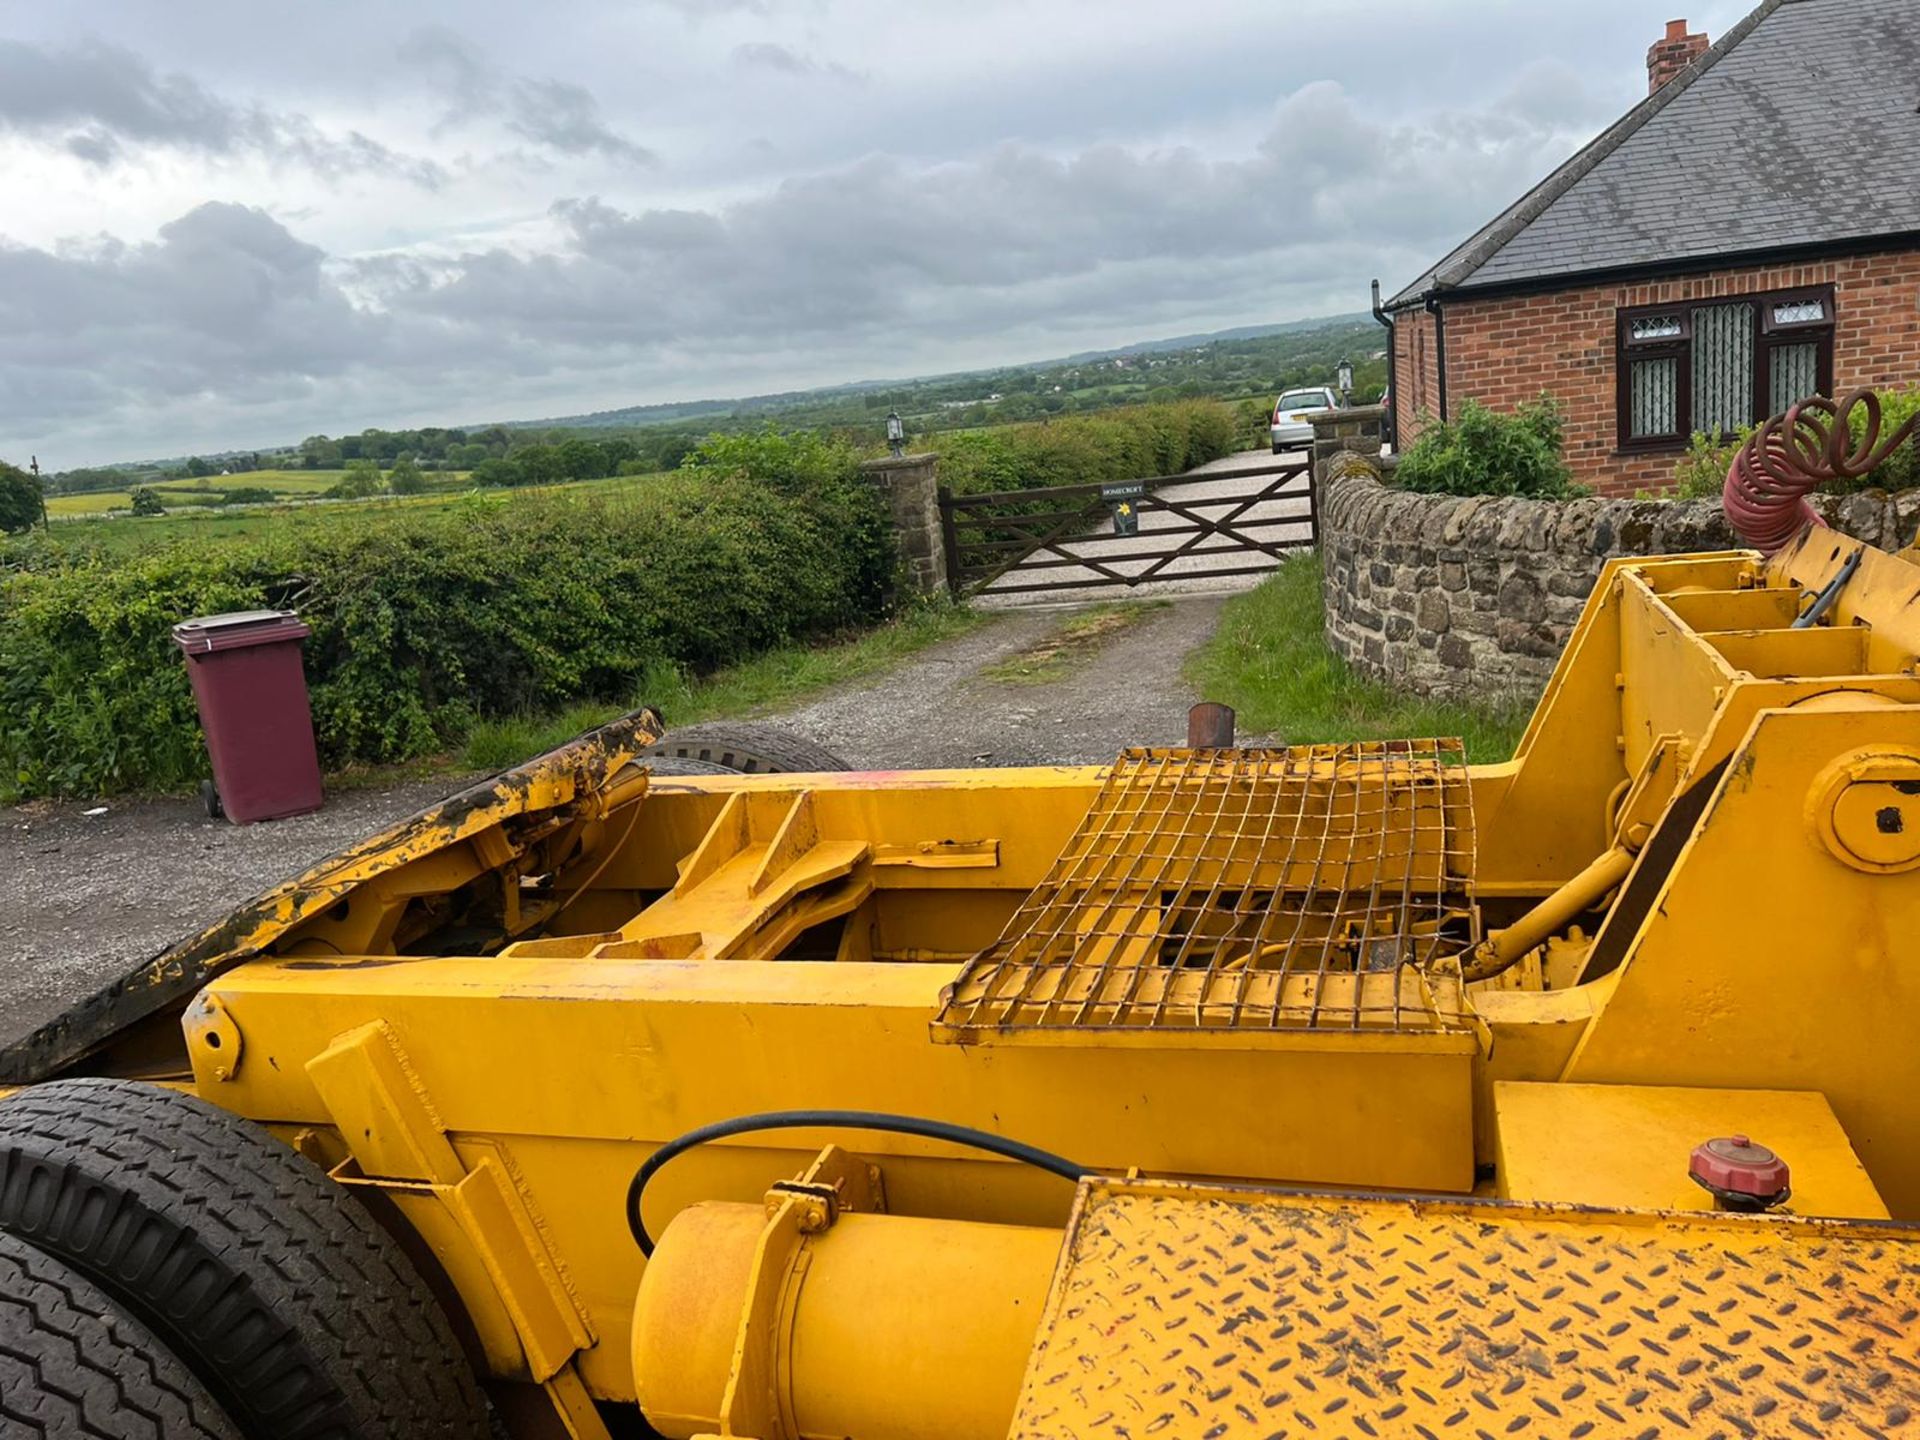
(1702, 471)
(1484, 452)
(1123, 444)
(426, 619)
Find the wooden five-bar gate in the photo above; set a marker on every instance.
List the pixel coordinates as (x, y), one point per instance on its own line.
(1205, 526)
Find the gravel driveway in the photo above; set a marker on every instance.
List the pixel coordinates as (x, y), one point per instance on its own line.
(940, 710)
(87, 895)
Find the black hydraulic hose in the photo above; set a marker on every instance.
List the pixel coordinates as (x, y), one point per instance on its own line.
(836, 1120)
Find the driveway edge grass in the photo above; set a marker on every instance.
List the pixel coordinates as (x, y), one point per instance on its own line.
(1269, 659)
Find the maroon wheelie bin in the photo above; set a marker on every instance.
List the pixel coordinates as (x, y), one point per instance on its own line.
(252, 693)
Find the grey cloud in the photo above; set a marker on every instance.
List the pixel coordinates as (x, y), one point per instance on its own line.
(856, 268)
(706, 9)
(765, 55)
(224, 302)
(1016, 235)
(98, 101)
(96, 147)
(557, 114)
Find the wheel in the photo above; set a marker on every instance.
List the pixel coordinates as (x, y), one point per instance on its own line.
(748, 749)
(680, 765)
(210, 800)
(273, 1284)
(1278, 448)
(73, 1363)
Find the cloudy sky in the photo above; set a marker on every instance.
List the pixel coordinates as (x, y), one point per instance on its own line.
(233, 224)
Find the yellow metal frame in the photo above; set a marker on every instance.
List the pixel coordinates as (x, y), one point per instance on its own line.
(1697, 873)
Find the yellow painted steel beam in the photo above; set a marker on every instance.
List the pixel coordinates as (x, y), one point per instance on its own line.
(581, 1067)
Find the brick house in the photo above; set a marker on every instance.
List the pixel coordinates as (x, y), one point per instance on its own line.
(1745, 236)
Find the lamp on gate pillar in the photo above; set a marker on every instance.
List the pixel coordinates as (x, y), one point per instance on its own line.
(1343, 378)
(896, 433)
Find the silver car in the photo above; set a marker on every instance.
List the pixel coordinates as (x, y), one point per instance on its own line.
(1293, 416)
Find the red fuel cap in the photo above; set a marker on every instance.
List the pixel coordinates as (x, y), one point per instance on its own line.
(1740, 1174)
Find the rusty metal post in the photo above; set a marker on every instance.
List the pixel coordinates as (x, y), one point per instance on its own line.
(1210, 726)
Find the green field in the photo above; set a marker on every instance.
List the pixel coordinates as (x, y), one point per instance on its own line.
(100, 522)
(204, 492)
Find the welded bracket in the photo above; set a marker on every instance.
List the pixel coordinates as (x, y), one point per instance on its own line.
(754, 1406)
(836, 1181)
(472, 1208)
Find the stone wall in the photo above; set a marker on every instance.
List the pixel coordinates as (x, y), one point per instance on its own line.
(1446, 595)
(911, 486)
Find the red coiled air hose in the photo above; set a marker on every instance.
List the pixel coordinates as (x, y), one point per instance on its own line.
(1791, 454)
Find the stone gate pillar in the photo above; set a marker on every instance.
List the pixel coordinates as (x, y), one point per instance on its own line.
(911, 487)
(1360, 429)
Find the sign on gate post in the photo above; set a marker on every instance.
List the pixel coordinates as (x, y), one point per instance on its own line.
(1120, 498)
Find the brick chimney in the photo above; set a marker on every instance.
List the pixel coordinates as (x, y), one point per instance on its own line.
(1672, 53)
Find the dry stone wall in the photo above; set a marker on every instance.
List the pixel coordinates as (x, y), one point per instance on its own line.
(1476, 595)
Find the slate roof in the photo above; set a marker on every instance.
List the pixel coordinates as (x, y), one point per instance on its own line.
(1798, 128)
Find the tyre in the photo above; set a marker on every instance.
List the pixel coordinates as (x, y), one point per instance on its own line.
(680, 765)
(273, 1284)
(1278, 448)
(74, 1364)
(210, 800)
(748, 749)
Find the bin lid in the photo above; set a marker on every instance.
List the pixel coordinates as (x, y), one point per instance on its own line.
(238, 629)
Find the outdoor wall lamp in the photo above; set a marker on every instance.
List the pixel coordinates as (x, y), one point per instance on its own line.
(896, 433)
(1343, 378)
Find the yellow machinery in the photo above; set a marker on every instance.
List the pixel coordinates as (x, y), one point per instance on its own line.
(1339, 1090)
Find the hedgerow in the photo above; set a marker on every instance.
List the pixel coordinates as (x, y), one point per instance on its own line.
(1123, 444)
(426, 620)
(1485, 452)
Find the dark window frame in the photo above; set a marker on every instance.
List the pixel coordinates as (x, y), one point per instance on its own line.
(1767, 336)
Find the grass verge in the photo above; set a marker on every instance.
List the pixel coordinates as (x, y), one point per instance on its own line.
(1047, 660)
(1270, 661)
(776, 678)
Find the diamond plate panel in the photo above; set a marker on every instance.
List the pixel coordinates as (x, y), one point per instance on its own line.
(1190, 1314)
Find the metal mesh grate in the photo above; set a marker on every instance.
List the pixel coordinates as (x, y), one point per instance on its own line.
(1281, 889)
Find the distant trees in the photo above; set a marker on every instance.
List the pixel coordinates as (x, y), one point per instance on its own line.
(582, 460)
(146, 502)
(19, 499)
(619, 450)
(362, 479)
(405, 477)
(496, 470)
(198, 467)
(540, 465)
(77, 482)
(496, 455)
(317, 452)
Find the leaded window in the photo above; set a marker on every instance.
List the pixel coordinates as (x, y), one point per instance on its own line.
(1656, 396)
(1793, 373)
(1718, 365)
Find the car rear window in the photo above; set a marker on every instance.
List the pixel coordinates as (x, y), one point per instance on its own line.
(1302, 400)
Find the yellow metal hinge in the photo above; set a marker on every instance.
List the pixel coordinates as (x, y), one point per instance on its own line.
(471, 1206)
